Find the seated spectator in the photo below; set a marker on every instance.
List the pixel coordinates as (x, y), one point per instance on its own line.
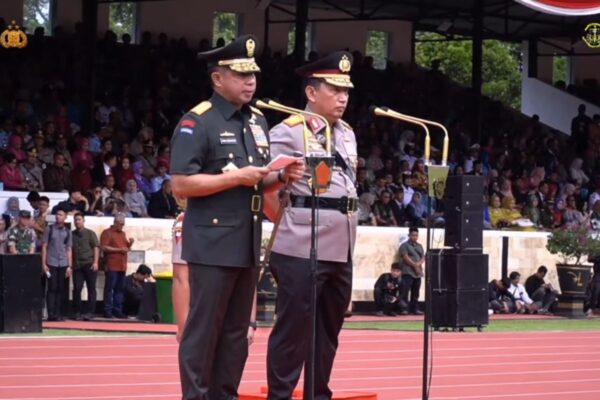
(83, 162)
(523, 303)
(398, 207)
(162, 203)
(532, 211)
(56, 176)
(506, 215)
(541, 292)
(416, 211)
(76, 203)
(105, 168)
(384, 215)
(135, 200)
(124, 173)
(365, 209)
(48, 155)
(558, 212)
(576, 172)
(108, 188)
(32, 171)
(148, 160)
(134, 289)
(144, 184)
(95, 201)
(164, 156)
(388, 293)
(158, 180)
(15, 147)
(419, 177)
(10, 174)
(499, 299)
(572, 216)
(362, 182)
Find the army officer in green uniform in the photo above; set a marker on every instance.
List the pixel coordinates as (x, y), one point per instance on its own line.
(219, 153)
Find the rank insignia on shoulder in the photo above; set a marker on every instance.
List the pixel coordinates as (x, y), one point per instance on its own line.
(256, 110)
(202, 108)
(293, 120)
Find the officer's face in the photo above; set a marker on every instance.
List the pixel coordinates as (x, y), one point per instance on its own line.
(395, 273)
(327, 100)
(237, 88)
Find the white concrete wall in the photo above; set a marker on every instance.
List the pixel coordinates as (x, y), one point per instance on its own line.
(555, 107)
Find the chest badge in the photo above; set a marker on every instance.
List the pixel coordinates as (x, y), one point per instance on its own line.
(260, 137)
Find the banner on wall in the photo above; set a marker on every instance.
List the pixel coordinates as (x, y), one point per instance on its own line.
(564, 7)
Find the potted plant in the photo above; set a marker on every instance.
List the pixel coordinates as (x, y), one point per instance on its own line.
(573, 245)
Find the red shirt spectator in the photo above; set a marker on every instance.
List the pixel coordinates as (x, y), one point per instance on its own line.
(15, 146)
(83, 162)
(124, 173)
(10, 174)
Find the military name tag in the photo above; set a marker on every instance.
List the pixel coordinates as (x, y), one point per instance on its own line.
(260, 138)
(228, 140)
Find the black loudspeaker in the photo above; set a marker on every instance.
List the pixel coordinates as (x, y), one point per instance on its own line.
(458, 271)
(464, 213)
(20, 293)
(458, 308)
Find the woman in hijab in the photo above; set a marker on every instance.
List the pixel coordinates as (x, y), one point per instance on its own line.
(135, 200)
(124, 173)
(12, 209)
(144, 184)
(572, 216)
(532, 210)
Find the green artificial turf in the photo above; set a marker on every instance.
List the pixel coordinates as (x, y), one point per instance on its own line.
(515, 325)
(73, 332)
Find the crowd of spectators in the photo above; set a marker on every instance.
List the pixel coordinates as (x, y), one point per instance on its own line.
(535, 178)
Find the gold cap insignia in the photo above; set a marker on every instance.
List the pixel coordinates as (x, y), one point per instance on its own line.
(250, 47)
(592, 35)
(13, 37)
(345, 64)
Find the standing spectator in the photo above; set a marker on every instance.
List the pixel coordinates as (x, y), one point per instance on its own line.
(579, 128)
(40, 223)
(86, 254)
(10, 174)
(388, 293)
(135, 200)
(411, 258)
(21, 238)
(57, 260)
(384, 215)
(540, 291)
(115, 246)
(136, 147)
(56, 176)
(32, 171)
(134, 289)
(162, 203)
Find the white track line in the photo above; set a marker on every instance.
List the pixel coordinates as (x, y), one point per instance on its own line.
(513, 395)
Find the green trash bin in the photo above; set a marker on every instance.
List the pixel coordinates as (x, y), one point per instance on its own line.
(164, 299)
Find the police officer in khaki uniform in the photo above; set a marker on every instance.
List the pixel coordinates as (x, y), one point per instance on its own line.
(326, 83)
(219, 152)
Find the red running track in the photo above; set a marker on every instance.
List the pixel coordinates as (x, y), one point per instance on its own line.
(481, 366)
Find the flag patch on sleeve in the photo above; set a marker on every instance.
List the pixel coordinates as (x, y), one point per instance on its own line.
(187, 131)
(188, 123)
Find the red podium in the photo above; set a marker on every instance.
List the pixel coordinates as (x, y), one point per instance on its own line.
(297, 395)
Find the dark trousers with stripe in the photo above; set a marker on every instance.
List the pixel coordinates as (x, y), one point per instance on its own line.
(289, 341)
(214, 345)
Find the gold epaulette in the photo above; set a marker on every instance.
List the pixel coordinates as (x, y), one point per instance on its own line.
(256, 110)
(293, 120)
(202, 108)
(345, 124)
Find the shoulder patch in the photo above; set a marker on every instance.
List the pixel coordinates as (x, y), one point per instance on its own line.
(202, 108)
(293, 120)
(256, 111)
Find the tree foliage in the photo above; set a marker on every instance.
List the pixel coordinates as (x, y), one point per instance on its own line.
(225, 25)
(501, 64)
(121, 19)
(292, 40)
(37, 13)
(559, 70)
(378, 48)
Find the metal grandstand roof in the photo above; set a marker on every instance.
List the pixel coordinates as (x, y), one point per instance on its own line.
(502, 19)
